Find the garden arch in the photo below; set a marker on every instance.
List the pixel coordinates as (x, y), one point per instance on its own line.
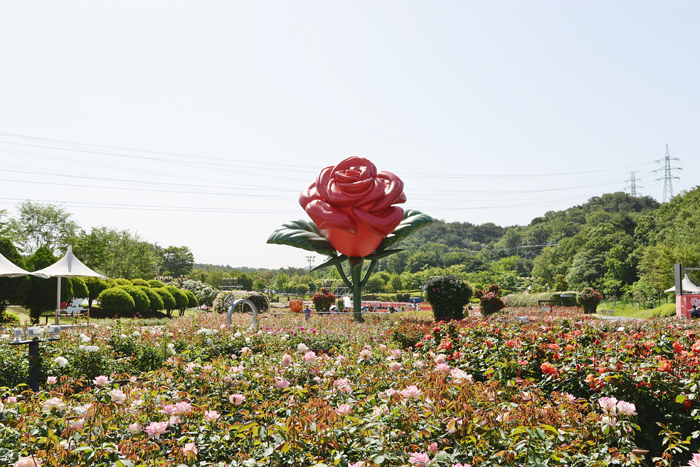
(252, 306)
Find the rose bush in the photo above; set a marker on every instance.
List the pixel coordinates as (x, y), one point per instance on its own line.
(563, 389)
(353, 203)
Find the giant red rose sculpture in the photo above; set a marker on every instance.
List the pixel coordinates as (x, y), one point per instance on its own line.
(353, 204)
(354, 219)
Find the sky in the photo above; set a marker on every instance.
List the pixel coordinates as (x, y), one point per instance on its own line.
(199, 123)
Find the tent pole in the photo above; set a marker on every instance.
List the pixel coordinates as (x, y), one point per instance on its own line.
(58, 301)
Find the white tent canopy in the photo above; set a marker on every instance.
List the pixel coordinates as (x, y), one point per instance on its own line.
(68, 266)
(9, 269)
(688, 286)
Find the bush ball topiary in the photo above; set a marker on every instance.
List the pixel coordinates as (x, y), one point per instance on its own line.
(155, 284)
(448, 296)
(141, 301)
(122, 282)
(116, 300)
(180, 298)
(156, 302)
(140, 283)
(169, 303)
(193, 303)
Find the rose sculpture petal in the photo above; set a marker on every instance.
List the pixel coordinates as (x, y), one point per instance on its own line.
(353, 204)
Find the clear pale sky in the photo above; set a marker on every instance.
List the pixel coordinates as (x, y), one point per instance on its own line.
(198, 123)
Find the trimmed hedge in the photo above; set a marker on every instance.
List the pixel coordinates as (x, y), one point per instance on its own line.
(193, 303)
(116, 300)
(141, 301)
(156, 302)
(169, 303)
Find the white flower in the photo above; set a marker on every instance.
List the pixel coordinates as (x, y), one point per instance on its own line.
(459, 376)
(247, 340)
(237, 335)
(302, 348)
(2, 407)
(137, 334)
(123, 336)
(92, 348)
(6, 337)
(61, 361)
(53, 403)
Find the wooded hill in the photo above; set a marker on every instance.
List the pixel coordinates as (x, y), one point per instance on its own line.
(616, 243)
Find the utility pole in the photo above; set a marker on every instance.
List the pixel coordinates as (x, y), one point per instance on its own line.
(310, 259)
(633, 183)
(668, 175)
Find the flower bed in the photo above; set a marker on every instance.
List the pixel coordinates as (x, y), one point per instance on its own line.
(329, 391)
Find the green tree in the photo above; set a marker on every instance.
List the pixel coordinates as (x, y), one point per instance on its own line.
(40, 225)
(95, 286)
(128, 256)
(396, 283)
(175, 261)
(79, 286)
(374, 285)
(41, 293)
(12, 289)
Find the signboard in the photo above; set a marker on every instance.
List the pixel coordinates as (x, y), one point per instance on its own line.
(678, 275)
(685, 302)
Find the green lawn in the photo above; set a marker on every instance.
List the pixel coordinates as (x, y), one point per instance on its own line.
(633, 310)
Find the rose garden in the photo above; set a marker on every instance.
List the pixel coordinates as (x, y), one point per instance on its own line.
(507, 385)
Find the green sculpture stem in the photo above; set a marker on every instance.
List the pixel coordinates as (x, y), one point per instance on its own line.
(356, 283)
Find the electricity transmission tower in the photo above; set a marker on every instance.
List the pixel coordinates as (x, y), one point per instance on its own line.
(668, 175)
(633, 184)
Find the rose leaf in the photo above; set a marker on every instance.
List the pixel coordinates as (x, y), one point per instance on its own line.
(331, 262)
(302, 234)
(412, 222)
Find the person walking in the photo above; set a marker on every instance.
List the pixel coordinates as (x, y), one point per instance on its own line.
(307, 312)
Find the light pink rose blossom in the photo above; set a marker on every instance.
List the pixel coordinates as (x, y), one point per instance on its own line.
(419, 459)
(695, 461)
(236, 399)
(190, 450)
(51, 380)
(211, 415)
(411, 391)
(281, 383)
(101, 380)
(155, 429)
(626, 408)
(27, 462)
(310, 357)
(286, 360)
(117, 396)
(135, 427)
(343, 409)
(395, 367)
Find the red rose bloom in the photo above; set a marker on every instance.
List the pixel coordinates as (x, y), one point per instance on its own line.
(353, 204)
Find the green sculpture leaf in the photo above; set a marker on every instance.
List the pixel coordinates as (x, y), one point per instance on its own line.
(379, 254)
(302, 234)
(412, 221)
(331, 262)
